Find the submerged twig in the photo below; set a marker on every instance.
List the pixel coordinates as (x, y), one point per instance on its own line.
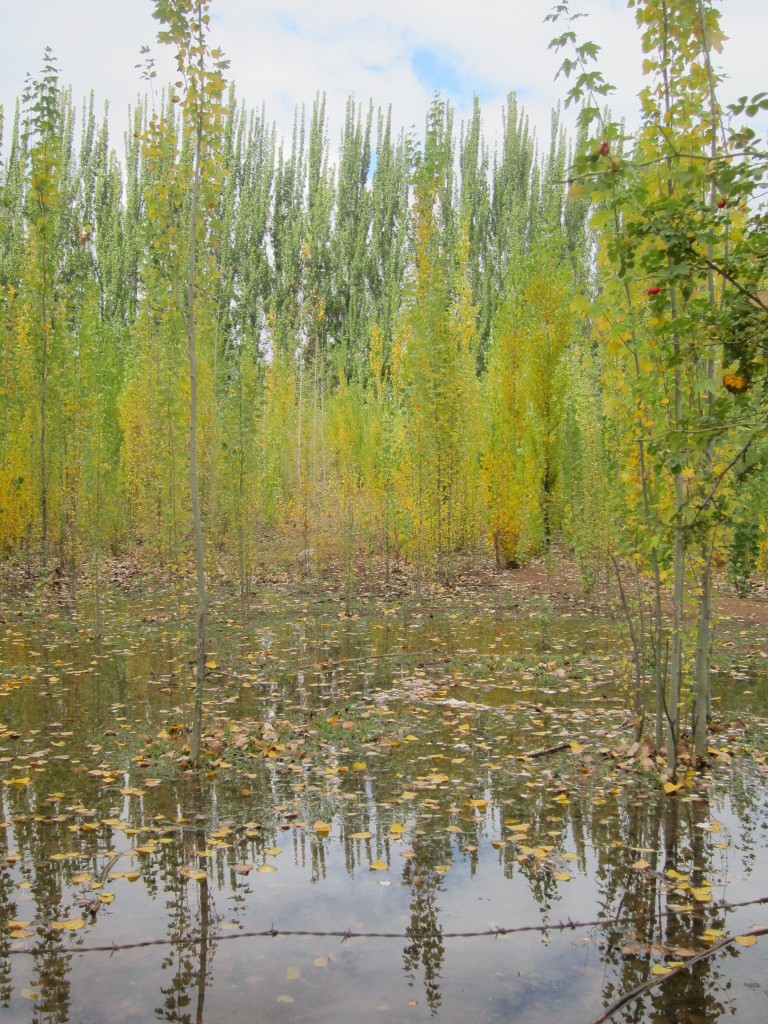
(659, 979)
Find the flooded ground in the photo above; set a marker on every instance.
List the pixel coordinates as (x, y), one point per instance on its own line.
(385, 830)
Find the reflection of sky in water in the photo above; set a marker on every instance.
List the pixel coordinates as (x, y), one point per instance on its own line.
(324, 882)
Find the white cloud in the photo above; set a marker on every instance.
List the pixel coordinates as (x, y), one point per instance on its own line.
(283, 52)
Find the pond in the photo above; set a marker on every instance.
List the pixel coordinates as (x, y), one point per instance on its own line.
(424, 811)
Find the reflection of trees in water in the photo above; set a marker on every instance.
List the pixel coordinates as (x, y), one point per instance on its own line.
(35, 839)
(190, 961)
(190, 955)
(670, 831)
(426, 949)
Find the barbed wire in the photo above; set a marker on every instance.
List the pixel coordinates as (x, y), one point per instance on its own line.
(347, 934)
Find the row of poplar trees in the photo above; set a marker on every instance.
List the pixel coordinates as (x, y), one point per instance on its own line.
(385, 343)
(409, 347)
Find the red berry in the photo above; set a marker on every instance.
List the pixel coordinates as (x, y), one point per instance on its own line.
(605, 148)
(722, 203)
(653, 290)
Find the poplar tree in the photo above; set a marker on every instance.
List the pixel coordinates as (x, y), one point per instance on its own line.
(670, 220)
(201, 71)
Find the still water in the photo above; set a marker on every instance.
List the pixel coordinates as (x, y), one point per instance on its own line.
(369, 841)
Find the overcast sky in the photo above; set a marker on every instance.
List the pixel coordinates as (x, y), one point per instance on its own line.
(283, 52)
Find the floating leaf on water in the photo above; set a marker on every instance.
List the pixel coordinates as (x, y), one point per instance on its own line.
(673, 787)
(273, 851)
(322, 827)
(562, 876)
(293, 973)
(82, 878)
(320, 961)
(661, 969)
(640, 865)
(105, 897)
(29, 993)
(702, 894)
(359, 766)
(379, 865)
(443, 869)
(745, 940)
(361, 835)
(396, 829)
(286, 999)
(194, 874)
(266, 869)
(242, 869)
(68, 926)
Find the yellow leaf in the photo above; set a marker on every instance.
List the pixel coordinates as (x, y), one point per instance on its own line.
(359, 766)
(561, 798)
(379, 865)
(672, 787)
(18, 782)
(577, 747)
(661, 969)
(396, 829)
(29, 993)
(453, 828)
(211, 664)
(443, 869)
(266, 869)
(81, 879)
(746, 940)
(194, 874)
(641, 865)
(105, 897)
(322, 827)
(562, 876)
(361, 835)
(19, 924)
(479, 804)
(68, 926)
(273, 851)
(293, 973)
(702, 894)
